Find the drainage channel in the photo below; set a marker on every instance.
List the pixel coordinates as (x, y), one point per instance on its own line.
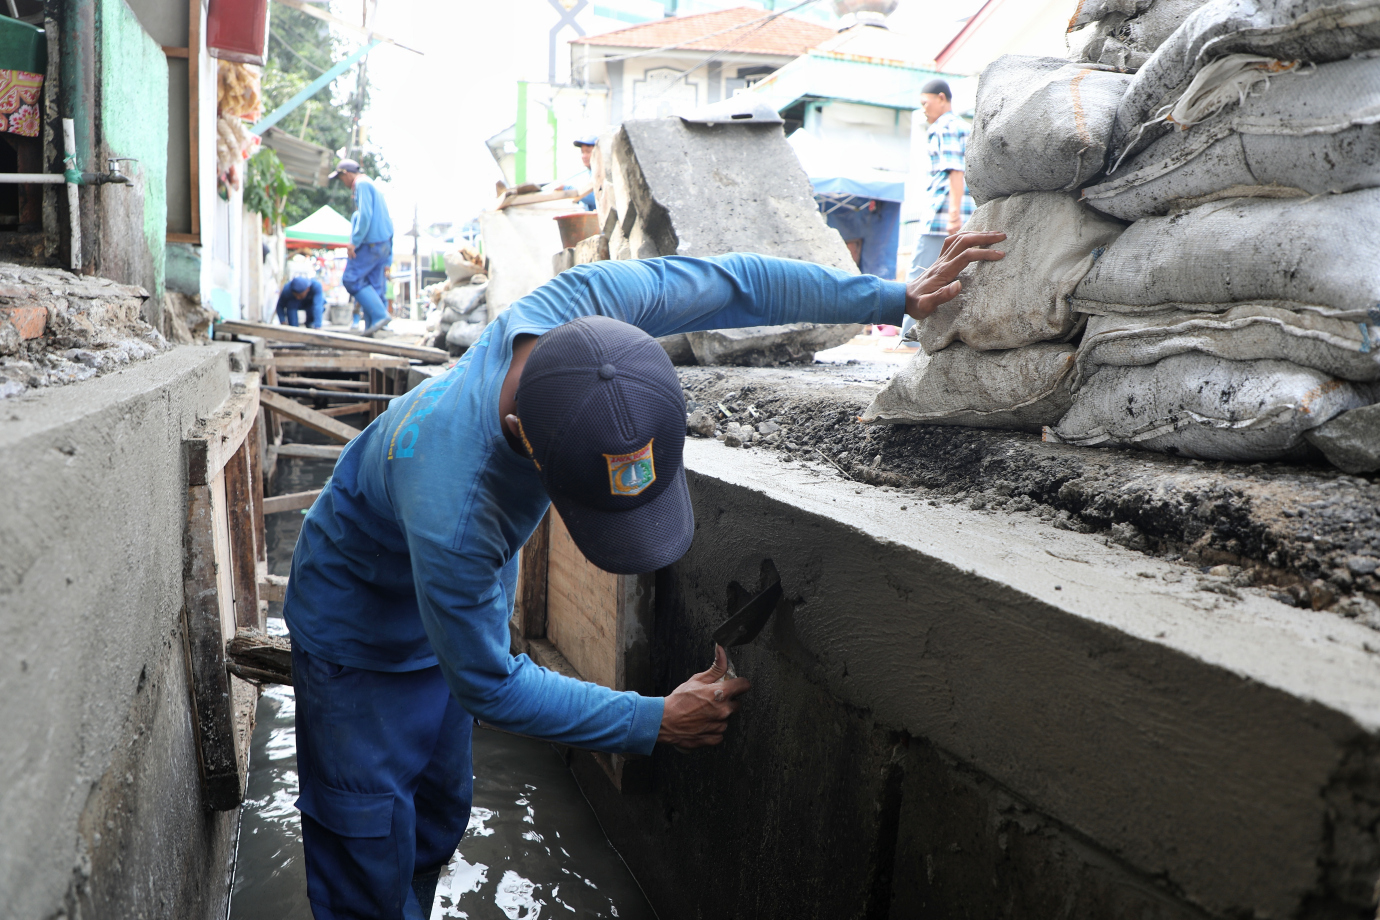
(533, 849)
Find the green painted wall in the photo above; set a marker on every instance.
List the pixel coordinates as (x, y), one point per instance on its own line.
(134, 116)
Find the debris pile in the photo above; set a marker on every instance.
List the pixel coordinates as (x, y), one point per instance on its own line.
(58, 328)
(1239, 313)
(667, 187)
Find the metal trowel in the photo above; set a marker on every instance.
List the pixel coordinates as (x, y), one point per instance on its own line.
(743, 626)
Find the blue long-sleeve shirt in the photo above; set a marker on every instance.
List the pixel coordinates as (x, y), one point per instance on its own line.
(313, 303)
(370, 223)
(409, 557)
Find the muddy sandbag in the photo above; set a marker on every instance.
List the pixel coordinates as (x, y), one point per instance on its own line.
(768, 346)
(1247, 332)
(1318, 251)
(1021, 388)
(1351, 441)
(1052, 241)
(1197, 406)
(1041, 124)
(1311, 131)
(1316, 31)
(1128, 31)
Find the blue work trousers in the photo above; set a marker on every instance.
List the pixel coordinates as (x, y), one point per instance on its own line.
(287, 312)
(365, 280)
(384, 764)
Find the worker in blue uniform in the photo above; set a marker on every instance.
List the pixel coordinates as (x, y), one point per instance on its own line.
(585, 178)
(371, 246)
(404, 574)
(301, 294)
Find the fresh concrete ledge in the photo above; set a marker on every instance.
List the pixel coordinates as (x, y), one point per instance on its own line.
(1159, 750)
(99, 789)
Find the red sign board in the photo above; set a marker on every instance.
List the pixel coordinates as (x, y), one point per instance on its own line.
(237, 30)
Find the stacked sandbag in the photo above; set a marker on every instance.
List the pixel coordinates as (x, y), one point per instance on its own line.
(1125, 33)
(1228, 331)
(998, 354)
(463, 315)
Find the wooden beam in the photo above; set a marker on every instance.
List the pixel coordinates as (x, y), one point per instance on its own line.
(193, 238)
(314, 420)
(244, 550)
(532, 596)
(340, 340)
(172, 52)
(348, 409)
(253, 655)
(257, 441)
(273, 587)
(322, 383)
(311, 451)
(215, 439)
(293, 501)
(213, 718)
(348, 364)
(536, 198)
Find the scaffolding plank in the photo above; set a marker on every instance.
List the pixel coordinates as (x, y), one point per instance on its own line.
(304, 415)
(342, 340)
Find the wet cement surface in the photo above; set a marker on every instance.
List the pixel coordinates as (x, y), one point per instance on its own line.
(533, 849)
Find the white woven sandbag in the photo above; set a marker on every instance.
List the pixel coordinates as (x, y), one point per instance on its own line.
(1315, 31)
(1020, 388)
(1052, 241)
(1246, 332)
(1319, 251)
(1041, 124)
(1207, 408)
(1311, 131)
(1129, 32)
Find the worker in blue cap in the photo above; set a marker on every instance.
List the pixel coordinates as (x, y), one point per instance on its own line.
(370, 248)
(404, 574)
(301, 294)
(586, 178)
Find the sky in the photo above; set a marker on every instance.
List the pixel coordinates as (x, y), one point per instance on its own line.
(431, 113)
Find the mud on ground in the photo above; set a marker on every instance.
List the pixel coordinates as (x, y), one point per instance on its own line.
(1308, 536)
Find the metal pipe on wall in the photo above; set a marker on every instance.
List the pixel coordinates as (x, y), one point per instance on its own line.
(69, 163)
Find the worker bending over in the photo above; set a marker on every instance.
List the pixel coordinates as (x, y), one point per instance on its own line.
(404, 574)
(370, 248)
(301, 294)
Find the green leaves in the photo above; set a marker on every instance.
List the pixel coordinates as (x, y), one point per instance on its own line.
(266, 186)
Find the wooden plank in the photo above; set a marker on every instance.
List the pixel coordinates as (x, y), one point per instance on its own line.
(349, 364)
(244, 549)
(293, 501)
(309, 417)
(253, 655)
(215, 439)
(273, 587)
(311, 451)
(340, 340)
(532, 591)
(222, 781)
(275, 424)
(322, 383)
(348, 409)
(257, 443)
(172, 52)
(538, 197)
(581, 608)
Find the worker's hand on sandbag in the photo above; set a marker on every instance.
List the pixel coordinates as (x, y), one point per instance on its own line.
(939, 284)
(697, 711)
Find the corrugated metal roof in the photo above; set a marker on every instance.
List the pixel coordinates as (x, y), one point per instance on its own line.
(741, 29)
(306, 163)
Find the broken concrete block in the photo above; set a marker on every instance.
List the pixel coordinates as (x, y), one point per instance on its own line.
(678, 349)
(700, 424)
(695, 190)
(1351, 441)
(562, 260)
(592, 249)
(519, 242)
(766, 346)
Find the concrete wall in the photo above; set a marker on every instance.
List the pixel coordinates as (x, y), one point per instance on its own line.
(962, 715)
(99, 791)
(133, 103)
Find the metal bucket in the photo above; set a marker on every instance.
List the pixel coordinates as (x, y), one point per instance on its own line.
(577, 226)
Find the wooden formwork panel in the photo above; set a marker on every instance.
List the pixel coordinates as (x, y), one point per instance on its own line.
(581, 608)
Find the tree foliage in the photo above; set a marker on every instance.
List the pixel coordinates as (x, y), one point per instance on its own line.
(300, 49)
(267, 186)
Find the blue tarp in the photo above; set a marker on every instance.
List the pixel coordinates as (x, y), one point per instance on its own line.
(862, 188)
(879, 228)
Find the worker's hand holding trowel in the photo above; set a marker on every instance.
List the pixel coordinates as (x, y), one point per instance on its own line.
(697, 711)
(939, 284)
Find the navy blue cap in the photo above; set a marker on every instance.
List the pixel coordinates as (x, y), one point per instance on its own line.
(604, 418)
(589, 140)
(346, 165)
(299, 284)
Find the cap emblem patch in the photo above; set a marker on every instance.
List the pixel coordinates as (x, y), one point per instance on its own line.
(631, 474)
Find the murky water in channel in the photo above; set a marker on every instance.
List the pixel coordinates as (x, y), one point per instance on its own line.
(533, 848)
